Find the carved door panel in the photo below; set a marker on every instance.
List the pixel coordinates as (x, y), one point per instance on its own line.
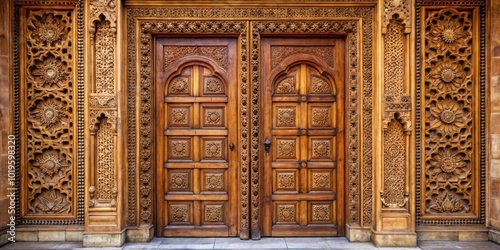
(303, 130)
(196, 136)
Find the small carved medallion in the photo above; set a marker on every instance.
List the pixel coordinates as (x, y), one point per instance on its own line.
(49, 28)
(49, 113)
(179, 181)
(321, 213)
(286, 180)
(321, 148)
(180, 116)
(214, 117)
(179, 85)
(320, 117)
(214, 181)
(448, 203)
(179, 148)
(286, 213)
(321, 180)
(213, 149)
(286, 148)
(213, 213)
(50, 72)
(286, 117)
(179, 213)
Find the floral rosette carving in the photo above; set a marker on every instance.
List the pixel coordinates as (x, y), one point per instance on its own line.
(50, 162)
(447, 75)
(50, 73)
(448, 117)
(49, 113)
(448, 165)
(449, 30)
(48, 29)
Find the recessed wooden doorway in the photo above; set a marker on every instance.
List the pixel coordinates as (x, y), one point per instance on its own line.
(302, 104)
(196, 128)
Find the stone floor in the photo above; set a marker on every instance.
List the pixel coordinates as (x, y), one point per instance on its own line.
(264, 243)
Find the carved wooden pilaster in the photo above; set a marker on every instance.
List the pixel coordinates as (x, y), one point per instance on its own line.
(393, 187)
(103, 184)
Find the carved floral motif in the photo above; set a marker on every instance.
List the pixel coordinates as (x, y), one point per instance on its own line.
(321, 148)
(286, 181)
(213, 213)
(213, 85)
(214, 181)
(213, 149)
(321, 180)
(321, 213)
(286, 117)
(320, 117)
(319, 86)
(179, 85)
(49, 120)
(179, 181)
(286, 148)
(286, 86)
(449, 103)
(49, 162)
(50, 72)
(286, 213)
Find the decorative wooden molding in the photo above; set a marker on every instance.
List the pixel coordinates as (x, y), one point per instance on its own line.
(451, 91)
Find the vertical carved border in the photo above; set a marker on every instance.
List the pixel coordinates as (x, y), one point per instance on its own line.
(359, 153)
(481, 219)
(79, 165)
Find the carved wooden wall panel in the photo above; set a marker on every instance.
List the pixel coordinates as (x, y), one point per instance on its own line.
(102, 116)
(360, 109)
(452, 114)
(48, 88)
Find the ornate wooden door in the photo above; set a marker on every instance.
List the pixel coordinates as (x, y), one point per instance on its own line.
(303, 136)
(196, 136)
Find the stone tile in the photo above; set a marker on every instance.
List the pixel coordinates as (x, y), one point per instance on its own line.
(51, 236)
(343, 243)
(495, 186)
(437, 235)
(74, 235)
(495, 146)
(26, 236)
(310, 242)
(495, 168)
(236, 243)
(187, 243)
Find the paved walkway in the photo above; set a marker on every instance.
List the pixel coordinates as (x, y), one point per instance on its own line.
(264, 243)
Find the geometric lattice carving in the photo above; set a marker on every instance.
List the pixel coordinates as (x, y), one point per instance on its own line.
(214, 213)
(105, 164)
(49, 115)
(321, 180)
(321, 149)
(394, 166)
(320, 116)
(285, 180)
(320, 86)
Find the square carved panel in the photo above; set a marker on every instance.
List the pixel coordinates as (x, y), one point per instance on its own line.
(286, 212)
(179, 148)
(286, 148)
(286, 116)
(321, 148)
(321, 180)
(320, 116)
(213, 213)
(321, 212)
(213, 180)
(179, 115)
(180, 213)
(213, 116)
(179, 180)
(286, 180)
(213, 148)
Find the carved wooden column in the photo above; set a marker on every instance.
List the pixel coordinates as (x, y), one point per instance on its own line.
(104, 224)
(394, 186)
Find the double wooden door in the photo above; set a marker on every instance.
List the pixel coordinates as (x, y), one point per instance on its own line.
(197, 139)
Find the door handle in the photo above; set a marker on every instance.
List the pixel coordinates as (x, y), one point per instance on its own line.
(231, 146)
(267, 145)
